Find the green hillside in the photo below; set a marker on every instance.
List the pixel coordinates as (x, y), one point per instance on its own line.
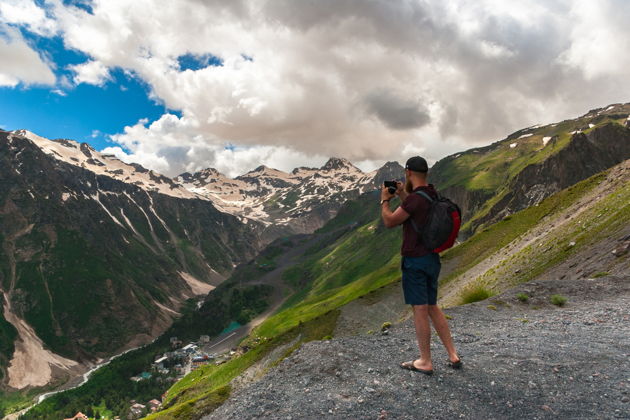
(488, 174)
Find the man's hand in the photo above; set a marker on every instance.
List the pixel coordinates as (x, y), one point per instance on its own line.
(385, 194)
(400, 191)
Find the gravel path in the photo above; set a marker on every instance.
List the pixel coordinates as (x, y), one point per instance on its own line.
(522, 360)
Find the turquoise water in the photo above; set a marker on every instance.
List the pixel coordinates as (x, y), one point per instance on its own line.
(234, 325)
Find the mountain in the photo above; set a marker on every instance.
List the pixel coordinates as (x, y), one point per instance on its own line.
(288, 203)
(343, 279)
(97, 255)
(531, 164)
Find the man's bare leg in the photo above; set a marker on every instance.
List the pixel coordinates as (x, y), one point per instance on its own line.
(423, 334)
(441, 326)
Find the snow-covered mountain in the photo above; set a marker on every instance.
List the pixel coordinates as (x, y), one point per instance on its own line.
(301, 200)
(296, 202)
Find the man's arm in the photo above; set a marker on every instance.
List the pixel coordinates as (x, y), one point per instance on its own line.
(391, 219)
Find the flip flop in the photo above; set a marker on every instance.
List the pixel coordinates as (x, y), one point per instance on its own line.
(410, 366)
(456, 365)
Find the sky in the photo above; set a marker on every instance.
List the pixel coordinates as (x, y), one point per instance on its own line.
(189, 84)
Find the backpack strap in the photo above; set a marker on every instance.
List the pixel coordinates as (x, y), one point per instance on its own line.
(413, 223)
(425, 195)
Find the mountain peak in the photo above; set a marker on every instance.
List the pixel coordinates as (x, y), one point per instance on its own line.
(337, 163)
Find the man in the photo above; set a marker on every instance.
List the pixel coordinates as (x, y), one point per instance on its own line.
(420, 267)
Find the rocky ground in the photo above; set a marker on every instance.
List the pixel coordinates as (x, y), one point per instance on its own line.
(528, 360)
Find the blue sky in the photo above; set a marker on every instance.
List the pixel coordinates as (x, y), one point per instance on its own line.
(85, 113)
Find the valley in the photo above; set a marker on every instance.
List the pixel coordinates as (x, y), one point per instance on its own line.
(294, 258)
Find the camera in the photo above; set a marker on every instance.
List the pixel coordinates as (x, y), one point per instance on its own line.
(392, 186)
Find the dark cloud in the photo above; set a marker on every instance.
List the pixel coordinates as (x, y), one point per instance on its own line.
(395, 112)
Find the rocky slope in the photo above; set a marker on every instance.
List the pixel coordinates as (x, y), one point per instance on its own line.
(97, 255)
(522, 360)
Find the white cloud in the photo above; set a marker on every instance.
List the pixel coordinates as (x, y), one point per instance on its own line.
(28, 14)
(19, 62)
(91, 72)
(364, 79)
(600, 39)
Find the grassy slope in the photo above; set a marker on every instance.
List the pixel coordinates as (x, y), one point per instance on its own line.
(487, 241)
(607, 216)
(491, 168)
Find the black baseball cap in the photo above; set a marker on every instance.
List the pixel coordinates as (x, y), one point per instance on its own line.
(417, 164)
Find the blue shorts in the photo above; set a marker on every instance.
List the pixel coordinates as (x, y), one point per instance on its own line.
(420, 279)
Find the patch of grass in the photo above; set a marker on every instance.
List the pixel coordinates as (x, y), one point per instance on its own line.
(558, 300)
(600, 274)
(492, 307)
(475, 293)
(385, 326)
(522, 297)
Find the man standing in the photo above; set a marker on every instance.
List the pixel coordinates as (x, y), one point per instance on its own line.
(420, 267)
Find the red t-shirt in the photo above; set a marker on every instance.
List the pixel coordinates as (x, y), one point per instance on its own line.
(418, 208)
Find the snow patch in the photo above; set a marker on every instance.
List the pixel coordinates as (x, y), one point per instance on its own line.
(513, 145)
(591, 125)
(95, 198)
(526, 135)
(545, 140)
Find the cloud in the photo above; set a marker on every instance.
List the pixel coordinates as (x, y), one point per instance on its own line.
(20, 63)
(395, 112)
(368, 80)
(90, 72)
(28, 14)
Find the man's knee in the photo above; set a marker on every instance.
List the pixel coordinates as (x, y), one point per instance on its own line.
(421, 309)
(433, 309)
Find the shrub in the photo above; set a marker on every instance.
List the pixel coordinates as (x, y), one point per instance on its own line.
(475, 294)
(522, 297)
(558, 300)
(386, 325)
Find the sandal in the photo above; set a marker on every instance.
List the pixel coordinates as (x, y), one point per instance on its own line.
(410, 366)
(456, 365)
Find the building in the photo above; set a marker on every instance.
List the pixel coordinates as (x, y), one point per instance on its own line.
(78, 416)
(136, 411)
(159, 363)
(154, 405)
(204, 339)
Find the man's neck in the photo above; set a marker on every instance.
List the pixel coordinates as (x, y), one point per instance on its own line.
(415, 183)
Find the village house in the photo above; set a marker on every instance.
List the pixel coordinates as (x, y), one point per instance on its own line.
(78, 416)
(154, 405)
(136, 411)
(204, 339)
